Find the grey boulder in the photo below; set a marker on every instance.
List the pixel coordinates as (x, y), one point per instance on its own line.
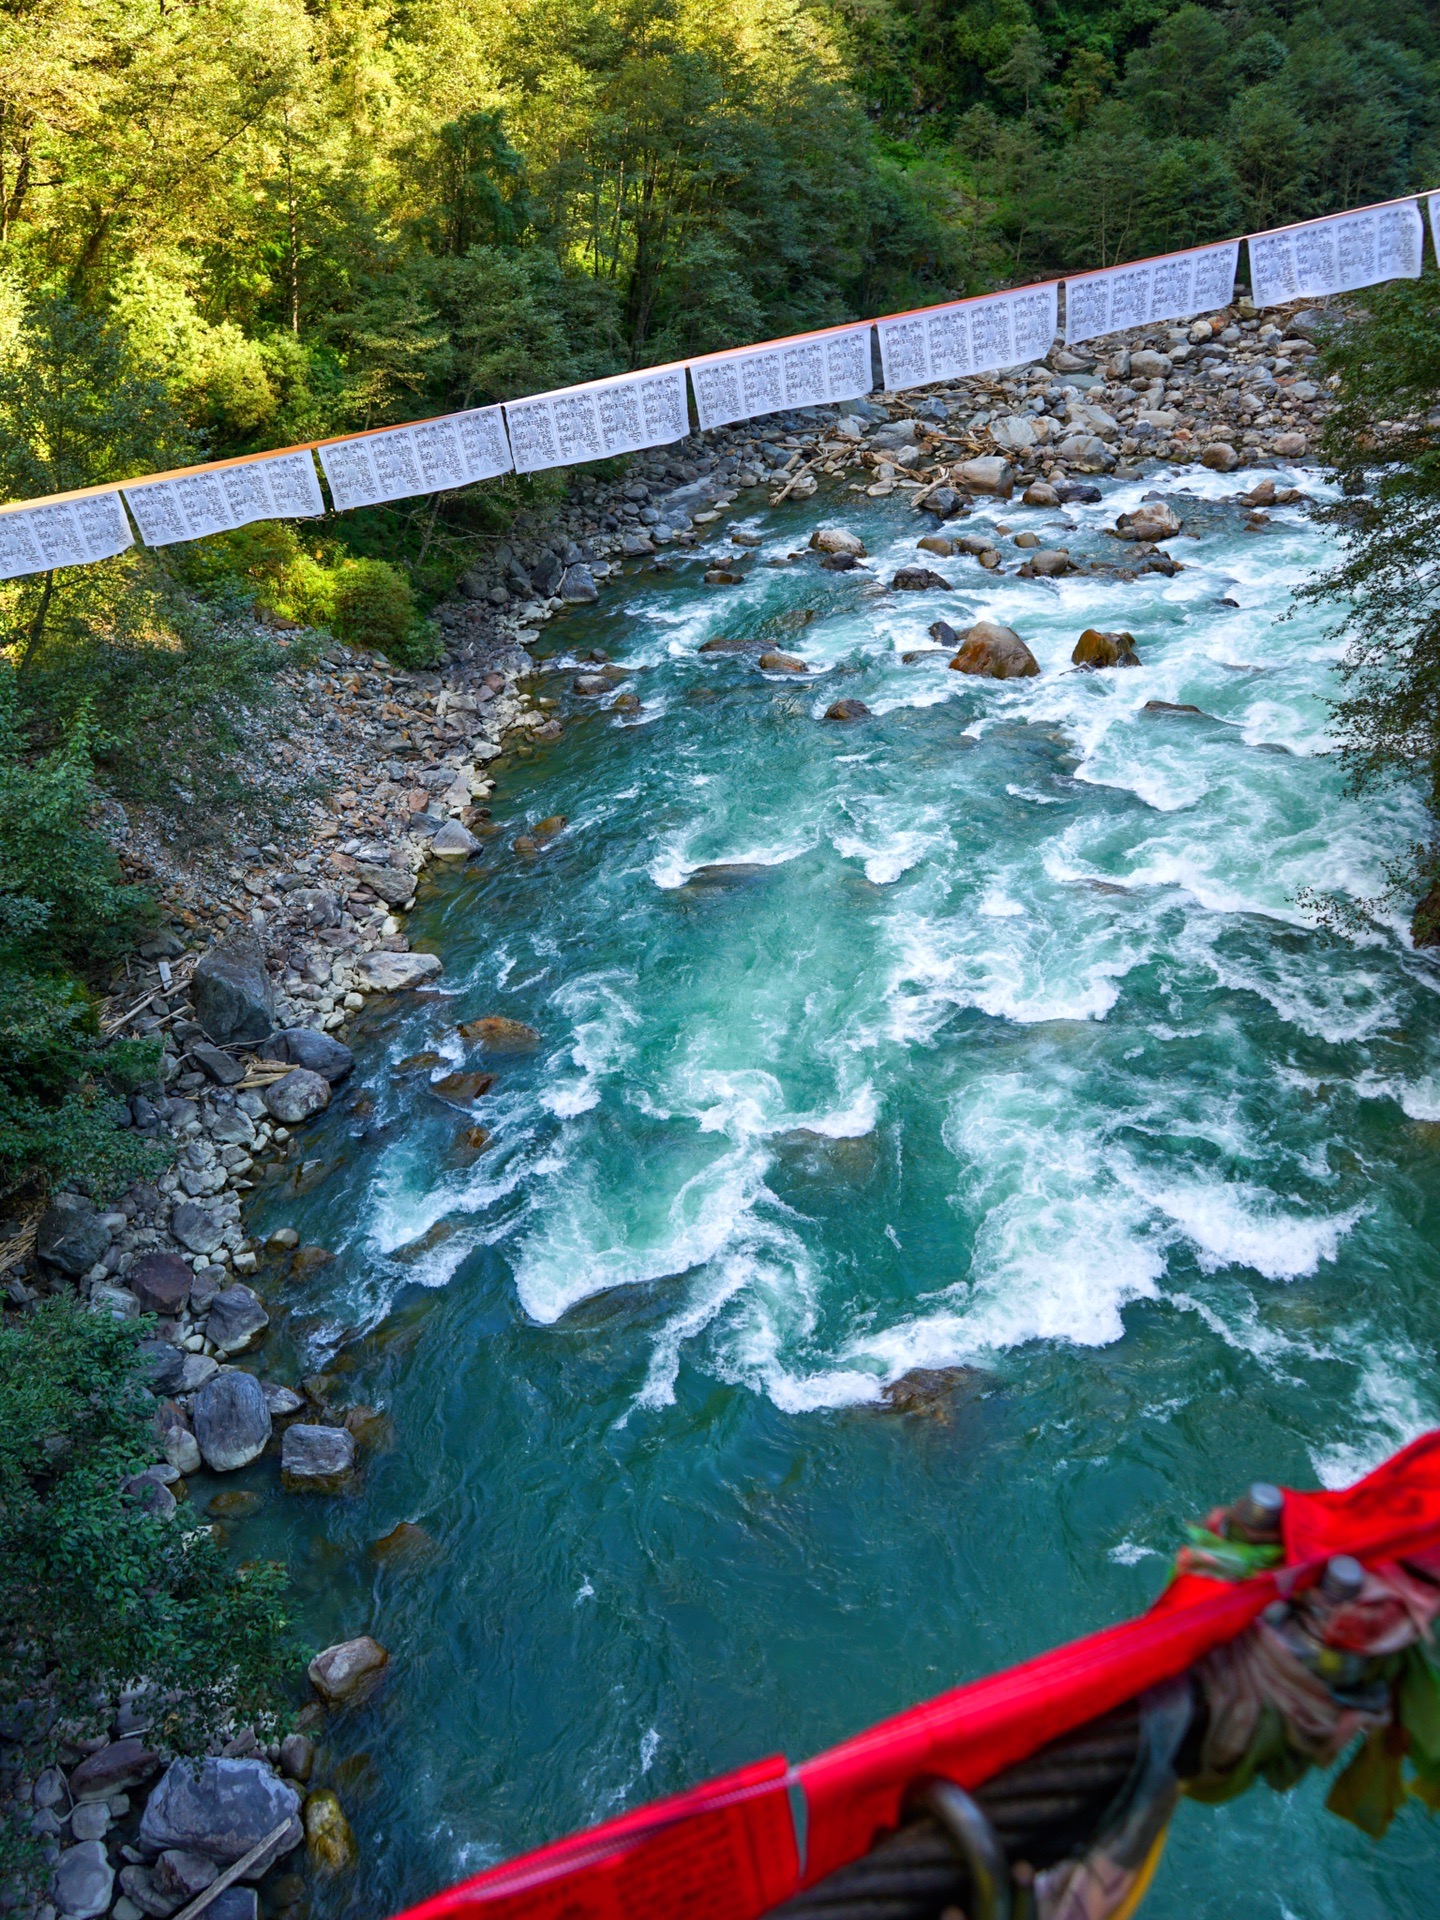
(84, 1881)
(394, 885)
(297, 1097)
(170, 1369)
(221, 1808)
(392, 971)
(232, 1426)
(316, 1459)
(71, 1235)
(235, 1320)
(453, 842)
(234, 1000)
(577, 586)
(196, 1227)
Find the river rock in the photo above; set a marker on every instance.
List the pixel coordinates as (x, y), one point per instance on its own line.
(498, 1034)
(328, 1838)
(1014, 432)
(1220, 457)
(232, 1422)
(231, 990)
(847, 710)
(1040, 493)
(179, 1875)
(1145, 364)
(988, 474)
(170, 1369)
(198, 1228)
(394, 885)
(462, 1089)
(1152, 520)
(310, 1048)
(316, 1459)
(176, 1440)
(1095, 648)
(297, 1755)
(454, 842)
(71, 1234)
(391, 972)
(84, 1881)
(114, 1769)
(236, 1319)
(347, 1674)
(297, 1097)
(577, 586)
(837, 540)
(635, 544)
(1086, 450)
(773, 662)
(943, 502)
(1047, 563)
(919, 580)
(1290, 446)
(1076, 493)
(216, 1064)
(221, 1808)
(161, 1283)
(995, 652)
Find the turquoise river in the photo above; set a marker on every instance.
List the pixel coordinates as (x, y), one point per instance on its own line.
(1002, 1047)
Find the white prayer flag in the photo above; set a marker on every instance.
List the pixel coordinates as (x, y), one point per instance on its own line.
(599, 420)
(217, 499)
(813, 370)
(68, 533)
(969, 336)
(1435, 225)
(398, 464)
(1171, 287)
(1336, 255)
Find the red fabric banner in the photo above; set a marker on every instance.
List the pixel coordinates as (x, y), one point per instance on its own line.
(727, 1850)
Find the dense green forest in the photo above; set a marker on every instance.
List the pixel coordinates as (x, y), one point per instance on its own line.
(233, 224)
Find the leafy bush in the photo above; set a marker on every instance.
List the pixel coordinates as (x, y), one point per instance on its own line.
(375, 607)
(96, 1594)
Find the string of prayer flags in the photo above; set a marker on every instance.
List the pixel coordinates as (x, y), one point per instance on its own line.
(1172, 287)
(969, 336)
(599, 420)
(63, 533)
(812, 370)
(428, 457)
(189, 506)
(1337, 254)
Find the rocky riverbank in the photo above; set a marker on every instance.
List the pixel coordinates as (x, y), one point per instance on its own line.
(271, 949)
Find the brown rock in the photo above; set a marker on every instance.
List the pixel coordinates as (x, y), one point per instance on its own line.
(847, 710)
(474, 1139)
(1046, 564)
(310, 1259)
(114, 1769)
(547, 828)
(349, 1673)
(460, 1089)
(936, 543)
(236, 1504)
(722, 577)
(160, 1282)
(370, 1427)
(782, 663)
(930, 1390)
(989, 474)
(404, 1542)
(1220, 457)
(497, 1034)
(995, 653)
(1095, 648)
(918, 580)
(1040, 494)
(1151, 520)
(837, 540)
(329, 1841)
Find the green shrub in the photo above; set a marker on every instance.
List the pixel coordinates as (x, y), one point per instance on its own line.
(375, 607)
(96, 1594)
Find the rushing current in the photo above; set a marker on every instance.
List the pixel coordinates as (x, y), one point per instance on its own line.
(983, 1036)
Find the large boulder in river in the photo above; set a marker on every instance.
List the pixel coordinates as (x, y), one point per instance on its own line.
(995, 652)
(221, 1808)
(1095, 649)
(316, 1459)
(1151, 520)
(919, 580)
(234, 1000)
(236, 1319)
(232, 1426)
(392, 971)
(837, 540)
(346, 1674)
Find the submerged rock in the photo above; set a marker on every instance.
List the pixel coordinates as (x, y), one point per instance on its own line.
(783, 663)
(931, 1390)
(316, 1459)
(847, 710)
(329, 1840)
(499, 1034)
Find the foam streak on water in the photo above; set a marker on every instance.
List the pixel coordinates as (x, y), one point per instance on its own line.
(983, 1034)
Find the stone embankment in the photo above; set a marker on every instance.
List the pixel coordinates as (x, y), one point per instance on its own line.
(272, 948)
